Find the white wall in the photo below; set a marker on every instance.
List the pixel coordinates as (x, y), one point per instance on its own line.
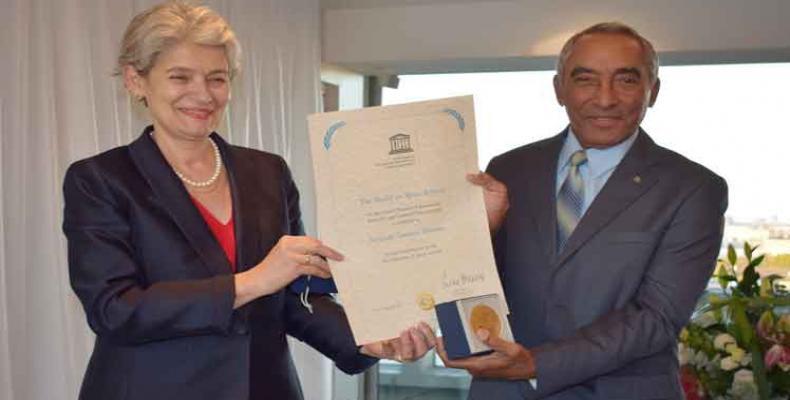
(351, 86)
(527, 34)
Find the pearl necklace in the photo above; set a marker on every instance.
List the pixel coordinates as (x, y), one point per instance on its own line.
(214, 176)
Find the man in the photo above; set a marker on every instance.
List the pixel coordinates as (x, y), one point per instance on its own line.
(604, 240)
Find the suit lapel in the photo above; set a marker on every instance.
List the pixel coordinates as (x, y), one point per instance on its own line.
(171, 195)
(629, 181)
(542, 193)
(245, 189)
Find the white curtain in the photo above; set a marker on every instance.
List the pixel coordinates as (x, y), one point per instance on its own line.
(59, 103)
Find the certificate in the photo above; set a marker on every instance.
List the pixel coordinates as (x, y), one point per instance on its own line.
(393, 198)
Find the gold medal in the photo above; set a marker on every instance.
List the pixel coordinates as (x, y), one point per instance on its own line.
(425, 301)
(484, 317)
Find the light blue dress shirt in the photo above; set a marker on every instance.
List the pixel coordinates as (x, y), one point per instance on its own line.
(598, 168)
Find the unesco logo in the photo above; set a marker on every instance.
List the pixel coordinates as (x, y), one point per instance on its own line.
(400, 143)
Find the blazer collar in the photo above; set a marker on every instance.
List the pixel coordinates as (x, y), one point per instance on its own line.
(632, 178)
(170, 194)
(542, 191)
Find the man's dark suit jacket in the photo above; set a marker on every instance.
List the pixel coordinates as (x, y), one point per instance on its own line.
(158, 290)
(602, 317)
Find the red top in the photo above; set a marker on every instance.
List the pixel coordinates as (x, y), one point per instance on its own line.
(224, 233)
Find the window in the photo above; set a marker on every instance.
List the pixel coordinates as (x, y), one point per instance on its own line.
(730, 118)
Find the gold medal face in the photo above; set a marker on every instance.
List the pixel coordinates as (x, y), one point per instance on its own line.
(484, 317)
(425, 301)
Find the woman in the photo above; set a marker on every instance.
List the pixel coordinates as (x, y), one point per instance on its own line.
(181, 245)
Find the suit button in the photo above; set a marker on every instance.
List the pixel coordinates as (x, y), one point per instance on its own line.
(240, 328)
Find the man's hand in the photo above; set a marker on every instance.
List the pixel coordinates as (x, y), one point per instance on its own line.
(495, 197)
(411, 345)
(508, 361)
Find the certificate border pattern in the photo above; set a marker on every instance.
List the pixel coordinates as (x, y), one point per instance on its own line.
(331, 132)
(458, 117)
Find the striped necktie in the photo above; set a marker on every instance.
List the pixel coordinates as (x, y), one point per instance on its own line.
(570, 200)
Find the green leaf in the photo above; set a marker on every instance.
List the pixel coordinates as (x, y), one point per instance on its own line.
(766, 322)
(742, 328)
(747, 250)
(724, 277)
(716, 301)
(766, 287)
(714, 306)
(753, 289)
(773, 302)
(756, 262)
(758, 368)
(731, 256)
(780, 379)
(748, 284)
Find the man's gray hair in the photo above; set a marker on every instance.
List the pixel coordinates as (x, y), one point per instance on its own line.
(618, 28)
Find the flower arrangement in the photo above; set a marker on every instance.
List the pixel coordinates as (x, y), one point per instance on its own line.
(737, 345)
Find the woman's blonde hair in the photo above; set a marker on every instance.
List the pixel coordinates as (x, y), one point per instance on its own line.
(155, 30)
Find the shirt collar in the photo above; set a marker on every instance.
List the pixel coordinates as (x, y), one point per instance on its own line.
(599, 161)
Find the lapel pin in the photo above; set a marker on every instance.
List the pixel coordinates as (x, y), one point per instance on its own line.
(637, 179)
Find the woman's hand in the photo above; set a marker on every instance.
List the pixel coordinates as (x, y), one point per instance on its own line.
(291, 257)
(411, 345)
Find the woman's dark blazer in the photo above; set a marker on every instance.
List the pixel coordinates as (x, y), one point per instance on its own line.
(158, 290)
